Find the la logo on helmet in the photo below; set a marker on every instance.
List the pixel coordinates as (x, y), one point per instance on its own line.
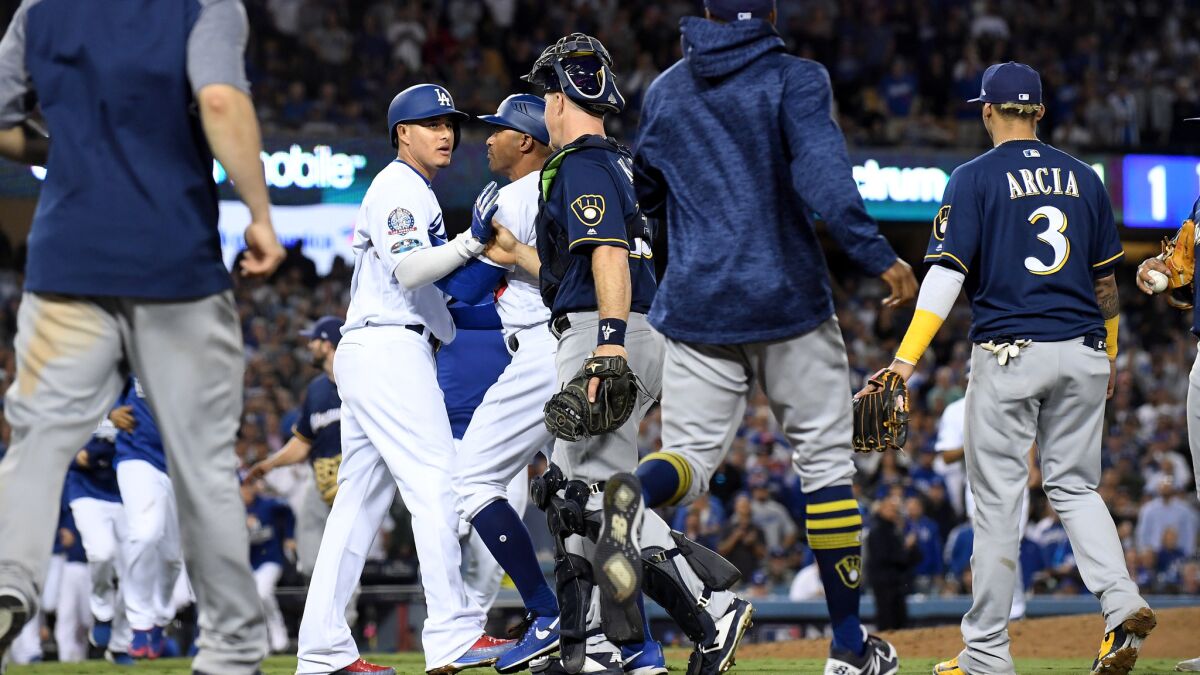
(444, 98)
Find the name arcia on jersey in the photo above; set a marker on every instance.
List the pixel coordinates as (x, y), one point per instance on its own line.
(1034, 183)
(320, 420)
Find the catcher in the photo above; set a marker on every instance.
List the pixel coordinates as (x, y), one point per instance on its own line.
(1171, 271)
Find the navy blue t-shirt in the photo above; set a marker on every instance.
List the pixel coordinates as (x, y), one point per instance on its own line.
(320, 420)
(270, 522)
(1032, 228)
(587, 201)
(471, 364)
(99, 479)
(144, 442)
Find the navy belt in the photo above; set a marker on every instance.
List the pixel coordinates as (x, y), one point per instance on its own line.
(559, 326)
(420, 330)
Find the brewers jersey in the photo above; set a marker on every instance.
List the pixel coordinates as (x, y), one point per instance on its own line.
(320, 420)
(1031, 267)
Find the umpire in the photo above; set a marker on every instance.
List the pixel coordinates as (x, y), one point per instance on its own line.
(124, 270)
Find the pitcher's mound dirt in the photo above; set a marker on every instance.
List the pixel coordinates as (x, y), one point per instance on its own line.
(1177, 636)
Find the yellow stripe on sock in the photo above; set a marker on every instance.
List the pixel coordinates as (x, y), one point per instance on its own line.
(834, 523)
(832, 541)
(832, 507)
(682, 467)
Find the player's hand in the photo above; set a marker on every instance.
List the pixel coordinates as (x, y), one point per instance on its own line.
(66, 537)
(503, 239)
(81, 458)
(263, 251)
(1112, 379)
(289, 549)
(257, 472)
(1143, 277)
(899, 278)
(604, 350)
(901, 368)
(485, 209)
(122, 418)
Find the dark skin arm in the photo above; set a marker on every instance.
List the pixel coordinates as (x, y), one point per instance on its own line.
(1110, 306)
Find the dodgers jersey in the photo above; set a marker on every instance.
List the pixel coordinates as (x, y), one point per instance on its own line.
(144, 442)
(519, 301)
(320, 420)
(270, 522)
(469, 366)
(98, 480)
(399, 214)
(1032, 228)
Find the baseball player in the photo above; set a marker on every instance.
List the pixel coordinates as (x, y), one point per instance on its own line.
(1146, 282)
(1031, 232)
(595, 265)
(124, 268)
(153, 554)
(71, 607)
(395, 432)
(272, 529)
(728, 325)
(95, 501)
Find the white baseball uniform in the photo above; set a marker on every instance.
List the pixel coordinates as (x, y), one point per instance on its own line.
(508, 427)
(395, 433)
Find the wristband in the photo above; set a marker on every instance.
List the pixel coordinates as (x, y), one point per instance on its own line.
(611, 332)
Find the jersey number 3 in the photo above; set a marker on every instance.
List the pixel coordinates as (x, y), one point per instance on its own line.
(1056, 225)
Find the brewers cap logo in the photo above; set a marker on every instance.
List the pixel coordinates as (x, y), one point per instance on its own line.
(940, 222)
(850, 570)
(589, 209)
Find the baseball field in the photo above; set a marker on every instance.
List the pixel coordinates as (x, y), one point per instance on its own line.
(1050, 645)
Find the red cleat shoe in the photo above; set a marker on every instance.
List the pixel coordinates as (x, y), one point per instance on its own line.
(483, 653)
(361, 666)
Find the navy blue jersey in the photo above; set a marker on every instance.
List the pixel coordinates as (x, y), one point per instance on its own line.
(1032, 228)
(320, 420)
(270, 522)
(144, 442)
(1195, 217)
(68, 533)
(466, 369)
(98, 480)
(587, 200)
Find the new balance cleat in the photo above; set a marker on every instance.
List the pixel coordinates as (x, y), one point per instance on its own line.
(718, 657)
(618, 561)
(878, 658)
(540, 638)
(1119, 649)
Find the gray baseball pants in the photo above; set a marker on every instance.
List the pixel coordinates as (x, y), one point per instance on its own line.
(1193, 418)
(71, 352)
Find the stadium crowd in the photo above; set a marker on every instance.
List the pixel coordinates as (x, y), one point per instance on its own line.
(1116, 75)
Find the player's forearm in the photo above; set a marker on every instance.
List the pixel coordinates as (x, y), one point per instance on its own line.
(1110, 309)
(614, 290)
(938, 292)
(952, 456)
(21, 144)
(293, 452)
(527, 259)
(231, 128)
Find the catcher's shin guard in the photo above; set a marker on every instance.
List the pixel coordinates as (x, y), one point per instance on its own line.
(549, 483)
(665, 586)
(713, 569)
(573, 582)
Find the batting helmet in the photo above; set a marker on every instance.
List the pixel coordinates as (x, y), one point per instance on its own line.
(579, 66)
(422, 102)
(525, 113)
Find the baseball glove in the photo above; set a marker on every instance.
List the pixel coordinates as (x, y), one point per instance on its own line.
(569, 414)
(325, 470)
(1179, 254)
(881, 416)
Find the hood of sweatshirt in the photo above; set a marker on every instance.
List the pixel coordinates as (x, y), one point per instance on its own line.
(715, 50)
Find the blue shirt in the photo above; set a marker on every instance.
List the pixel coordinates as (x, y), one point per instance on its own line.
(128, 207)
(929, 543)
(66, 521)
(1032, 228)
(99, 479)
(738, 151)
(470, 365)
(270, 522)
(588, 201)
(958, 549)
(320, 420)
(144, 442)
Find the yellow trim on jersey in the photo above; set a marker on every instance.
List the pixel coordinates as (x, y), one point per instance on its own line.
(1105, 262)
(597, 240)
(921, 329)
(301, 436)
(681, 466)
(832, 507)
(1112, 327)
(824, 542)
(834, 523)
(949, 255)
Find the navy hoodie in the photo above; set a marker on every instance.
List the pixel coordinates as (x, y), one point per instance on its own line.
(737, 150)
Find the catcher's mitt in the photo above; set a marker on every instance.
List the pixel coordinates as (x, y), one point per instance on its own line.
(881, 416)
(569, 414)
(325, 470)
(1179, 254)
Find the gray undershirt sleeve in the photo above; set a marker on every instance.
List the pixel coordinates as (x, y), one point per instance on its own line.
(216, 47)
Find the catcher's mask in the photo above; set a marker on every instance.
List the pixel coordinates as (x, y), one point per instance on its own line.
(580, 67)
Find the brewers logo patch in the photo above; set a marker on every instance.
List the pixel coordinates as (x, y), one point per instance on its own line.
(400, 221)
(589, 209)
(850, 570)
(940, 221)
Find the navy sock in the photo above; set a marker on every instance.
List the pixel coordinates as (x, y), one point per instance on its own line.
(666, 478)
(506, 537)
(835, 536)
(641, 603)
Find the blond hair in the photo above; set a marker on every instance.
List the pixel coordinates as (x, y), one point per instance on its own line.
(1018, 109)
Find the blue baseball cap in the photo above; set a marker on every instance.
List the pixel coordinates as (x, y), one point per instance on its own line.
(739, 10)
(325, 328)
(1010, 82)
(525, 113)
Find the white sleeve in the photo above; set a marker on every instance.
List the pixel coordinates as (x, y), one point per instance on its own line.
(421, 267)
(939, 290)
(508, 214)
(950, 428)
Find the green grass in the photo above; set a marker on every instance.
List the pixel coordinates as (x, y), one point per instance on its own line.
(414, 664)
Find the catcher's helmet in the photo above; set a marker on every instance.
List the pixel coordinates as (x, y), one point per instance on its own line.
(525, 113)
(580, 67)
(421, 102)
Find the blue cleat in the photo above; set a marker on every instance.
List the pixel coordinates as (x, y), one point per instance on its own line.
(484, 652)
(540, 638)
(119, 658)
(644, 659)
(139, 648)
(100, 635)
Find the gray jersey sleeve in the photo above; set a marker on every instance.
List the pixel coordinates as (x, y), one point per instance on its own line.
(217, 46)
(14, 77)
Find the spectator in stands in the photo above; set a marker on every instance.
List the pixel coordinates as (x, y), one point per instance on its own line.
(958, 560)
(1167, 511)
(778, 528)
(927, 573)
(922, 474)
(891, 556)
(741, 540)
(1170, 560)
